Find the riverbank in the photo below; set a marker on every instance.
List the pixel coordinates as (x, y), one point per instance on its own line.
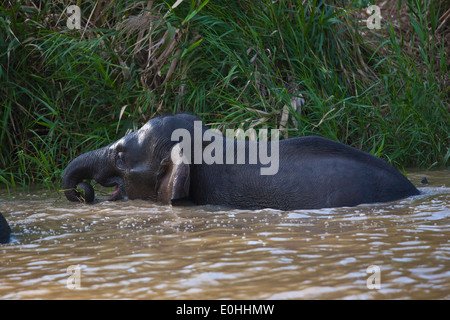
(312, 69)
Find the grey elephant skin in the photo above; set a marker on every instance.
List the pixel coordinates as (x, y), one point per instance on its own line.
(313, 173)
(5, 230)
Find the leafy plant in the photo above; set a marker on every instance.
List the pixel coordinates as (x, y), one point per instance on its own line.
(305, 67)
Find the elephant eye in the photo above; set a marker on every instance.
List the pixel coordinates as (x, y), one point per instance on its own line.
(120, 161)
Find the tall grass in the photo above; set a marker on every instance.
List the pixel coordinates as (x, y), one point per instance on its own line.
(307, 67)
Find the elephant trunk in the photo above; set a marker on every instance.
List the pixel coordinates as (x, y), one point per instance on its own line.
(91, 165)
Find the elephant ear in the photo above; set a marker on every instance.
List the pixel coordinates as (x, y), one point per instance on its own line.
(173, 177)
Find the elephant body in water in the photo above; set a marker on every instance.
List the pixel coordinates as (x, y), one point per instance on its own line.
(309, 172)
(5, 230)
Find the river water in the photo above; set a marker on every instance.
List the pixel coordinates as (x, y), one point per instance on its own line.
(140, 250)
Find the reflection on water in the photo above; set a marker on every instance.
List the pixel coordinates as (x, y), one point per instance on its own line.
(140, 250)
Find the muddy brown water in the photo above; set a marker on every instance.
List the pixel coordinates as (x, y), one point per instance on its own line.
(140, 250)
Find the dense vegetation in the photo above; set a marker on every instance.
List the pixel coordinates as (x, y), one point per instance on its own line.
(307, 67)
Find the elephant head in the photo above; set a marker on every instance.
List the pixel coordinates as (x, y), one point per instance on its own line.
(140, 165)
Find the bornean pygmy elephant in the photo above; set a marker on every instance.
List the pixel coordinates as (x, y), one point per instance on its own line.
(154, 163)
(5, 230)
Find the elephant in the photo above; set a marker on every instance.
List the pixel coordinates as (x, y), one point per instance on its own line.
(5, 230)
(312, 173)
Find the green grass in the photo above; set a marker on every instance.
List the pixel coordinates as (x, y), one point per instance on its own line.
(233, 63)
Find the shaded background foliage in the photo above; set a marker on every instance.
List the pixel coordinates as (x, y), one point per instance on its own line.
(306, 67)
